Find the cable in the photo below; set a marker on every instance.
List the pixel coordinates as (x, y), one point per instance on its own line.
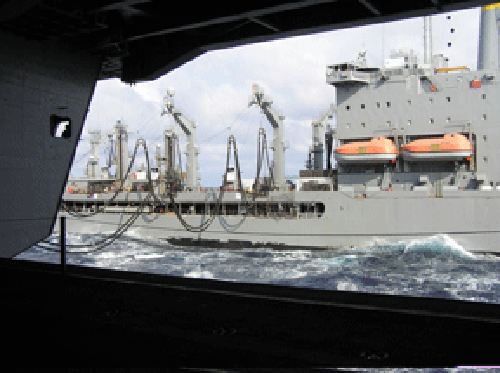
(228, 128)
(124, 227)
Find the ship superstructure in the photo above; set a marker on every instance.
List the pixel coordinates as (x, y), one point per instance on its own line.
(415, 156)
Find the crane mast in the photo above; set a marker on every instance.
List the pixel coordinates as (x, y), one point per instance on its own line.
(189, 129)
(317, 148)
(276, 120)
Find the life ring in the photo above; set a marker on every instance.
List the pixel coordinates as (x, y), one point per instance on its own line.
(433, 88)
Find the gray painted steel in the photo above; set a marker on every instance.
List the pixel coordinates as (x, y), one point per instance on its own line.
(42, 84)
(468, 217)
(415, 196)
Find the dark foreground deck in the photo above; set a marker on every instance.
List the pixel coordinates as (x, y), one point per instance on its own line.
(104, 318)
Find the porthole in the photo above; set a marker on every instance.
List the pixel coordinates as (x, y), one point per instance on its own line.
(388, 104)
(362, 106)
(348, 108)
(485, 138)
(378, 105)
(431, 121)
(484, 116)
(448, 98)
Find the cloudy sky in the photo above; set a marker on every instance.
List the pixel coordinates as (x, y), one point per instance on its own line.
(213, 90)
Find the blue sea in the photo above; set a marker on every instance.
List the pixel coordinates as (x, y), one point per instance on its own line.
(433, 267)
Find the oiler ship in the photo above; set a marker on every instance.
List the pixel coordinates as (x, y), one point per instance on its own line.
(414, 154)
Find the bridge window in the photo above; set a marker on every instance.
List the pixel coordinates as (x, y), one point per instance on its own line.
(60, 126)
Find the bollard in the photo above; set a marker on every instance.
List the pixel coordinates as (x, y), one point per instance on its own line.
(62, 239)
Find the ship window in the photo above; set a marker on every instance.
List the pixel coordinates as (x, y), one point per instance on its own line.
(388, 123)
(485, 159)
(409, 122)
(448, 98)
(485, 138)
(348, 125)
(484, 116)
(363, 125)
(448, 17)
(452, 30)
(431, 121)
(431, 100)
(449, 44)
(448, 119)
(60, 127)
(378, 105)
(388, 104)
(362, 106)
(348, 108)
(409, 102)
(483, 96)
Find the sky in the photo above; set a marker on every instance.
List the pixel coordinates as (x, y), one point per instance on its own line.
(214, 89)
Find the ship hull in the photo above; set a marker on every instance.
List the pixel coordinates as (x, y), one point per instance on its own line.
(470, 218)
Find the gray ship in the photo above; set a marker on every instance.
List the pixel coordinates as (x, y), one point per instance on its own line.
(415, 153)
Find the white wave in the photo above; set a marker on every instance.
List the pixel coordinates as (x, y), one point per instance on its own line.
(339, 261)
(282, 256)
(148, 256)
(347, 286)
(200, 274)
(438, 243)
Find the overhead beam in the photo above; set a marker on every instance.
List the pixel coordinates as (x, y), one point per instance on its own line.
(227, 19)
(119, 5)
(370, 7)
(265, 24)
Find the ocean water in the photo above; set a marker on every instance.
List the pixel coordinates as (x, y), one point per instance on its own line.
(433, 267)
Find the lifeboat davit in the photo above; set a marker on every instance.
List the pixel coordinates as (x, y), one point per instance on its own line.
(377, 150)
(450, 147)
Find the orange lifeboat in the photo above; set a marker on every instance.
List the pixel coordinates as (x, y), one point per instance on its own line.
(377, 150)
(450, 147)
